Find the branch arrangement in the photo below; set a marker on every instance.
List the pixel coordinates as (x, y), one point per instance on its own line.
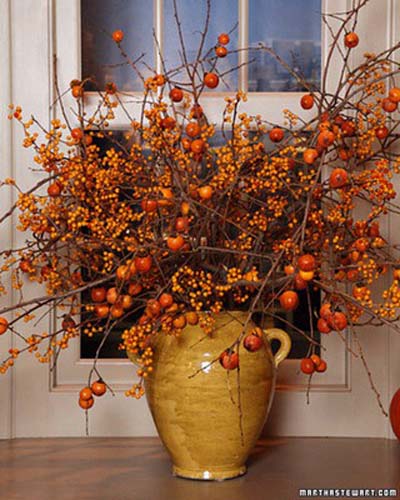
(171, 230)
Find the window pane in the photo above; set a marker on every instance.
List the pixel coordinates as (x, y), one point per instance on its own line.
(292, 28)
(192, 14)
(101, 58)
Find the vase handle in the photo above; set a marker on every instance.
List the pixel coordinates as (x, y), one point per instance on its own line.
(284, 339)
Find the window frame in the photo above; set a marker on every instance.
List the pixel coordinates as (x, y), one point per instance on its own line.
(67, 54)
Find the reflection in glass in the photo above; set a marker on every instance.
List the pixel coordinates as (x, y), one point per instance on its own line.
(101, 58)
(192, 14)
(292, 28)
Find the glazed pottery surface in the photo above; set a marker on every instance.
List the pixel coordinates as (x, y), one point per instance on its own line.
(195, 401)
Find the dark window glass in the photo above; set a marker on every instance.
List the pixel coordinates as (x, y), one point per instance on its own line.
(101, 58)
(292, 28)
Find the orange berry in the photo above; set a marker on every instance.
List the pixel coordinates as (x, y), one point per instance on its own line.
(192, 129)
(229, 360)
(322, 326)
(175, 243)
(98, 388)
(307, 366)
(179, 322)
(307, 262)
(77, 134)
(192, 318)
(118, 36)
(176, 94)
(394, 94)
(388, 105)
(351, 40)
(221, 51)
(54, 189)
(197, 146)
(289, 300)
(276, 134)
(315, 359)
(86, 404)
(223, 39)
(307, 101)
(77, 91)
(166, 300)
(3, 325)
(211, 80)
(85, 394)
(205, 192)
(338, 178)
(382, 132)
(310, 155)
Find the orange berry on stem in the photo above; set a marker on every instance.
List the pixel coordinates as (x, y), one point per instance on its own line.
(197, 146)
(126, 302)
(166, 300)
(116, 311)
(168, 122)
(307, 366)
(176, 94)
(54, 189)
(252, 343)
(394, 94)
(325, 311)
(175, 243)
(382, 132)
(118, 36)
(77, 134)
(180, 322)
(351, 40)
(3, 325)
(182, 224)
(310, 155)
(143, 264)
(186, 144)
(338, 178)
(307, 262)
(77, 91)
(98, 388)
(86, 404)
(322, 366)
(229, 360)
(192, 318)
(322, 326)
(307, 101)
(223, 39)
(221, 51)
(192, 129)
(85, 394)
(315, 359)
(289, 300)
(205, 192)
(211, 80)
(102, 311)
(276, 134)
(98, 294)
(112, 295)
(388, 105)
(289, 269)
(337, 321)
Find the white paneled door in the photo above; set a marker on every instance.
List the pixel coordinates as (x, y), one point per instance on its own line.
(36, 403)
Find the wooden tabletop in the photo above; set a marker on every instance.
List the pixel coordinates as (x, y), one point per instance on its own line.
(139, 469)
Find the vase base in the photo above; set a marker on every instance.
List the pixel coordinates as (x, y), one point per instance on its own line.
(209, 474)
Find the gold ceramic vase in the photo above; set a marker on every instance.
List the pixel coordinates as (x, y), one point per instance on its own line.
(195, 403)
